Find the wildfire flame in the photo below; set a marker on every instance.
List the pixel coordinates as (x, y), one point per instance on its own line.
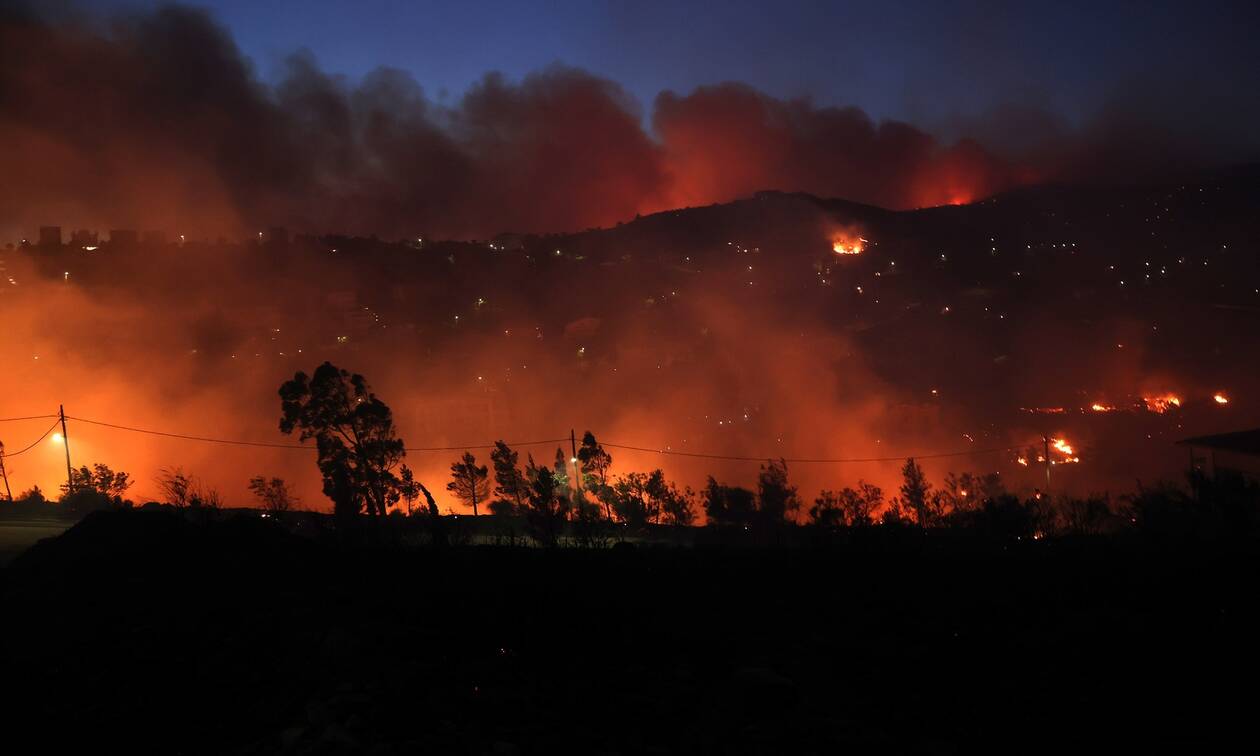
(843, 244)
(1220, 398)
(1102, 407)
(1161, 404)
(1062, 446)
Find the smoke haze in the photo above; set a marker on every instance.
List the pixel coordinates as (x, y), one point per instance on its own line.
(155, 119)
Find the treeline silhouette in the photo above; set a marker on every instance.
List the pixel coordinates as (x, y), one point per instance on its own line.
(576, 500)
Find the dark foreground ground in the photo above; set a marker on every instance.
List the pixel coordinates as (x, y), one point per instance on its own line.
(19, 534)
(141, 631)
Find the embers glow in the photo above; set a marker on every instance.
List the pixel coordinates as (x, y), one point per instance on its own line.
(1161, 404)
(844, 244)
(1062, 446)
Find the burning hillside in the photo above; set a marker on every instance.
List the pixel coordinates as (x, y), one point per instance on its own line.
(729, 330)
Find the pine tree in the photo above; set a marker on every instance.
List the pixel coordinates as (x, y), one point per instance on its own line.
(469, 483)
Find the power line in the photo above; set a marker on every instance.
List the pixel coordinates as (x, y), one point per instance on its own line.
(269, 445)
(32, 417)
(34, 443)
(465, 447)
(231, 442)
(485, 446)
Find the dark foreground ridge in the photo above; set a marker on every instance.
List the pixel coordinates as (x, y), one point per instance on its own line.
(236, 634)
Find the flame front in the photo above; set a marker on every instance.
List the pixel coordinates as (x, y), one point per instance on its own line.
(1220, 398)
(1162, 403)
(843, 244)
(1063, 447)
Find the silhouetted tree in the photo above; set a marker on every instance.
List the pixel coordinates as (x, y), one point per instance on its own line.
(510, 483)
(206, 498)
(850, 507)
(354, 435)
(728, 505)
(94, 489)
(639, 499)
(433, 518)
(1088, 516)
(274, 493)
(964, 492)
(777, 501)
(408, 488)
(100, 479)
(430, 505)
(827, 512)
(588, 521)
(176, 487)
(894, 515)
(1006, 516)
(469, 483)
(631, 501)
(184, 491)
(675, 507)
(594, 463)
(916, 493)
(547, 502)
(32, 495)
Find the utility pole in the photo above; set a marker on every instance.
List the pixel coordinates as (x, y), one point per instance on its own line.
(65, 441)
(5, 475)
(1045, 440)
(577, 477)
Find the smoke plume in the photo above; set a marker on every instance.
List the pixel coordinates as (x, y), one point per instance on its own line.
(156, 119)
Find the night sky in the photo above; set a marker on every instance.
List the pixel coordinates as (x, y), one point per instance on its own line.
(928, 63)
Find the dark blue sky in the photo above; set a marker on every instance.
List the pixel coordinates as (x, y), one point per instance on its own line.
(919, 61)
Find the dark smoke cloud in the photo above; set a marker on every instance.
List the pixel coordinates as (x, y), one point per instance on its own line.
(155, 119)
(730, 140)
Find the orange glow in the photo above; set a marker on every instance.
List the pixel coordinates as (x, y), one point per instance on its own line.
(1102, 407)
(844, 244)
(1162, 403)
(1220, 398)
(1022, 460)
(1062, 446)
